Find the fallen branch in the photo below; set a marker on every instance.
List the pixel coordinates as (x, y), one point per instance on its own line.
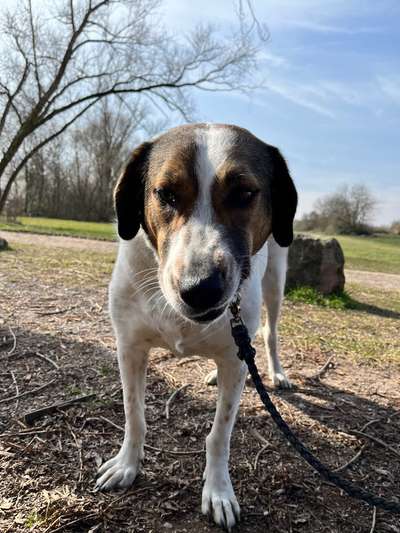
(14, 341)
(351, 461)
(258, 455)
(56, 312)
(37, 354)
(378, 441)
(373, 521)
(323, 369)
(374, 421)
(170, 452)
(259, 437)
(172, 397)
(263, 441)
(10, 398)
(16, 390)
(30, 417)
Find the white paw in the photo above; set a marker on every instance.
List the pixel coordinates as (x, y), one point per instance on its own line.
(211, 378)
(280, 380)
(219, 501)
(120, 471)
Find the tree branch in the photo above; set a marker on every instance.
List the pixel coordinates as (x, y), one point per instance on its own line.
(11, 96)
(34, 50)
(28, 156)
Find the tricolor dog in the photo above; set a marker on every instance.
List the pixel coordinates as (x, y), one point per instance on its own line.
(204, 211)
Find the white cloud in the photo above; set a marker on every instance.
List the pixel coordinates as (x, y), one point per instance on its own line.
(327, 28)
(274, 60)
(302, 95)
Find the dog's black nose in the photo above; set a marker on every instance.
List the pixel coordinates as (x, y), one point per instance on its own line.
(205, 293)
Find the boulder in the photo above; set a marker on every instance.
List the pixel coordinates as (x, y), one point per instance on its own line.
(3, 244)
(316, 263)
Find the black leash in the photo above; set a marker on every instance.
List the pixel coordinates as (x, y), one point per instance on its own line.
(247, 353)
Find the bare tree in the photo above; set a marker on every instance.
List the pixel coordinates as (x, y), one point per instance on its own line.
(60, 60)
(346, 211)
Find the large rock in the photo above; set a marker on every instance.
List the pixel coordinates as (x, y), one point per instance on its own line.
(3, 244)
(316, 263)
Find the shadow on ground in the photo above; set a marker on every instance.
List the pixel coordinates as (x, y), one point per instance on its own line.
(48, 469)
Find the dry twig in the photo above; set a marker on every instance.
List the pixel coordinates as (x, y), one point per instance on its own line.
(378, 441)
(170, 452)
(30, 417)
(351, 461)
(374, 421)
(258, 436)
(14, 341)
(373, 521)
(79, 448)
(323, 369)
(260, 451)
(37, 354)
(172, 397)
(56, 312)
(10, 398)
(17, 390)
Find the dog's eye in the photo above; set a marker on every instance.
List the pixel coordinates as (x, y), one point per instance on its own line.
(242, 197)
(166, 196)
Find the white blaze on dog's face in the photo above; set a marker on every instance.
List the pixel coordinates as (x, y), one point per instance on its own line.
(208, 197)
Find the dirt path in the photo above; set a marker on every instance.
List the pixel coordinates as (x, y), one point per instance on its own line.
(378, 280)
(59, 241)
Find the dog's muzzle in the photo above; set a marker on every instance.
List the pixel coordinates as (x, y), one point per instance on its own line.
(204, 296)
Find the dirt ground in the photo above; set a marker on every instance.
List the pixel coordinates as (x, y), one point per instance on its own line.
(56, 344)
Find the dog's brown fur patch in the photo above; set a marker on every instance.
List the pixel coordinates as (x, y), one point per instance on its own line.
(177, 174)
(252, 221)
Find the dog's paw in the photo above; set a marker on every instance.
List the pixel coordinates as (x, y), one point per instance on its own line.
(211, 378)
(220, 502)
(280, 380)
(118, 472)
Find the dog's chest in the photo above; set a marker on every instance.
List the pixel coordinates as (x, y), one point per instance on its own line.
(185, 338)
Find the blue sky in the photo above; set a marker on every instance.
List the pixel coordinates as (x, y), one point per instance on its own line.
(330, 98)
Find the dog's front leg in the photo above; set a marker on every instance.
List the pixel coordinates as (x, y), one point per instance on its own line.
(218, 496)
(121, 470)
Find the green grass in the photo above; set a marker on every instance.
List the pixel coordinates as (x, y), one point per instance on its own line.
(55, 226)
(309, 295)
(361, 324)
(375, 254)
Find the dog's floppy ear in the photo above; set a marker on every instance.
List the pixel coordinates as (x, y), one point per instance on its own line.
(129, 192)
(283, 200)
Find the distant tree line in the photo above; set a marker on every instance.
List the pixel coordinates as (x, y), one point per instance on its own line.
(349, 210)
(73, 176)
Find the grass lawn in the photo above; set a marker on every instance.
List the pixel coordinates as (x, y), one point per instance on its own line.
(375, 254)
(55, 226)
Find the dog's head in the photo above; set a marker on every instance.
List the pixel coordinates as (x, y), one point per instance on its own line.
(208, 197)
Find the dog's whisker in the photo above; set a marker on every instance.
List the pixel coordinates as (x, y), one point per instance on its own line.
(145, 281)
(146, 272)
(151, 291)
(147, 284)
(163, 310)
(152, 297)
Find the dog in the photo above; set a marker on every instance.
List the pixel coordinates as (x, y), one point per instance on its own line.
(203, 211)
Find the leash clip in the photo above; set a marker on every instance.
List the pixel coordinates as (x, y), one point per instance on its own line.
(234, 308)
